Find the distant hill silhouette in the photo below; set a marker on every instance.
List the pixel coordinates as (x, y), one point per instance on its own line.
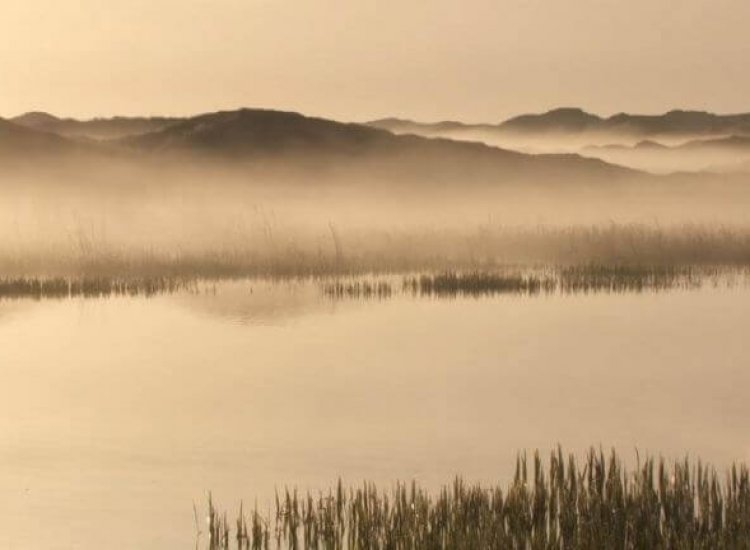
(573, 121)
(404, 126)
(739, 144)
(291, 138)
(564, 120)
(19, 142)
(678, 123)
(98, 128)
(736, 143)
(257, 132)
(717, 155)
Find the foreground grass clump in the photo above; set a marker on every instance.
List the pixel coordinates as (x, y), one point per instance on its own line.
(593, 505)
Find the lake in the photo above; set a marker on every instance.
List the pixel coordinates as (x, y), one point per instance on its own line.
(117, 414)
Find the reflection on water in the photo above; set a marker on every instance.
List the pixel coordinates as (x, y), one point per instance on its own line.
(259, 302)
(117, 413)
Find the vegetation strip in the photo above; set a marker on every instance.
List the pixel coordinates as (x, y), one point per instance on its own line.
(590, 505)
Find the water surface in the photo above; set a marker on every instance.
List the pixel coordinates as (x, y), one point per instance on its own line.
(117, 413)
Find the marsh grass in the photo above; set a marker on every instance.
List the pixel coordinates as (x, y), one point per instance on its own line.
(594, 504)
(560, 280)
(342, 252)
(358, 289)
(99, 287)
(477, 284)
(446, 284)
(637, 278)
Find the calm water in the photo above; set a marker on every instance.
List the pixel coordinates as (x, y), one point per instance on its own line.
(117, 414)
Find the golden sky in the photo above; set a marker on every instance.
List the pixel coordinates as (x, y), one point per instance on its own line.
(475, 60)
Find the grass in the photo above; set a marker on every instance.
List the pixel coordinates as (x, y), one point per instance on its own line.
(564, 504)
(447, 284)
(340, 252)
(358, 289)
(99, 287)
(634, 278)
(559, 280)
(477, 284)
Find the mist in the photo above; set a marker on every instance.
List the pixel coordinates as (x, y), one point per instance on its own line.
(187, 216)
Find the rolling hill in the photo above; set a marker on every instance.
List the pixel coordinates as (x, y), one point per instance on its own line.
(727, 154)
(95, 129)
(292, 139)
(578, 123)
(18, 142)
(739, 144)
(305, 147)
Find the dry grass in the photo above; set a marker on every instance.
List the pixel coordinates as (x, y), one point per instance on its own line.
(341, 252)
(100, 287)
(565, 504)
(530, 282)
(447, 284)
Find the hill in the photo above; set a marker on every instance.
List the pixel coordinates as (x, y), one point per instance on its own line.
(730, 143)
(739, 144)
(564, 120)
(725, 155)
(291, 139)
(257, 132)
(575, 122)
(18, 142)
(96, 129)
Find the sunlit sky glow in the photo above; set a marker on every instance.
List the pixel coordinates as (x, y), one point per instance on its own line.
(475, 60)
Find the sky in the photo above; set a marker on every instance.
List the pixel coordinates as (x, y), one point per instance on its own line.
(471, 60)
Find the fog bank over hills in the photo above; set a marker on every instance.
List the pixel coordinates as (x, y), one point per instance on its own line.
(620, 139)
(676, 141)
(295, 144)
(722, 154)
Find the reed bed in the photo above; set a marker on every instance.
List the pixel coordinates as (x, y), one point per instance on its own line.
(634, 278)
(477, 284)
(358, 289)
(446, 284)
(571, 280)
(594, 504)
(99, 287)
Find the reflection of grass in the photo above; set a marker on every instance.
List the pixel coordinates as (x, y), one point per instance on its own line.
(593, 505)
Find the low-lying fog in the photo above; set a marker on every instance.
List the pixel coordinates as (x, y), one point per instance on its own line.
(211, 221)
(667, 154)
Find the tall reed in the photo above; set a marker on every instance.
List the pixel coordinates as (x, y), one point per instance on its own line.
(565, 504)
(89, 287)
